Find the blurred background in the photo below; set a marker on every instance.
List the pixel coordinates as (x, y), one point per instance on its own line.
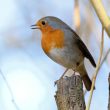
(27, 75)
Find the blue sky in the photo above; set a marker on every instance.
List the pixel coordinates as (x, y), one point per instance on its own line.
(29, 72)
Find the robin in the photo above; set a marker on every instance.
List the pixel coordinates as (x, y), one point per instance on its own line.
(64, 46)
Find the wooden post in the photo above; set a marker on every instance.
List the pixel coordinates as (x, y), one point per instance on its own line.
(69, 94)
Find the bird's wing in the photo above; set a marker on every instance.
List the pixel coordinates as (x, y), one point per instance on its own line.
(83, 49)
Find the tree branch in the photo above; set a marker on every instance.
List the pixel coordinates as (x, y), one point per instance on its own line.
(102, 15)
(76, 16)
(11, 93)
(104, 58)
(96, 72)
(109, 92)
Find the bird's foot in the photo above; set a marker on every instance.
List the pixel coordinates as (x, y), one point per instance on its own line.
(55, 82)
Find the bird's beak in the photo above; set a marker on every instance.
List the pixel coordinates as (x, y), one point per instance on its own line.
(35, 26)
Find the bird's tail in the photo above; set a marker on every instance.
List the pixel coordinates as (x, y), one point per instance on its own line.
(87, 82)
(82, 71)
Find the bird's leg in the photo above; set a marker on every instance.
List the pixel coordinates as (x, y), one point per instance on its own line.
(61, 76)
(64, 73)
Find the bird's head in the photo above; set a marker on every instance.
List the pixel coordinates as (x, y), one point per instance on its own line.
(49, 23)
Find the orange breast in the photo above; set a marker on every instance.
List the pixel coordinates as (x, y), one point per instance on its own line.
(52, 39)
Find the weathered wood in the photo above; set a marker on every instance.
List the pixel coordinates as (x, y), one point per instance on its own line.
(109, 92)
(69, 94)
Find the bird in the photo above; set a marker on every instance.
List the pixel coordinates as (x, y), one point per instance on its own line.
(61, 44)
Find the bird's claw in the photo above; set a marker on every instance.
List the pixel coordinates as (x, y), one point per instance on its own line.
(55, 82)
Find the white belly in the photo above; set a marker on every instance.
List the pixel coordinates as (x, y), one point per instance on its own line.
(65, 57)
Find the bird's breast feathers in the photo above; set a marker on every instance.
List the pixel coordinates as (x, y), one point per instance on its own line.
(64, 57)
(52, 39)
(59, 49)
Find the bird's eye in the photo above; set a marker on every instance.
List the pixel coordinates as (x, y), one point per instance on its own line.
(43, 22)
